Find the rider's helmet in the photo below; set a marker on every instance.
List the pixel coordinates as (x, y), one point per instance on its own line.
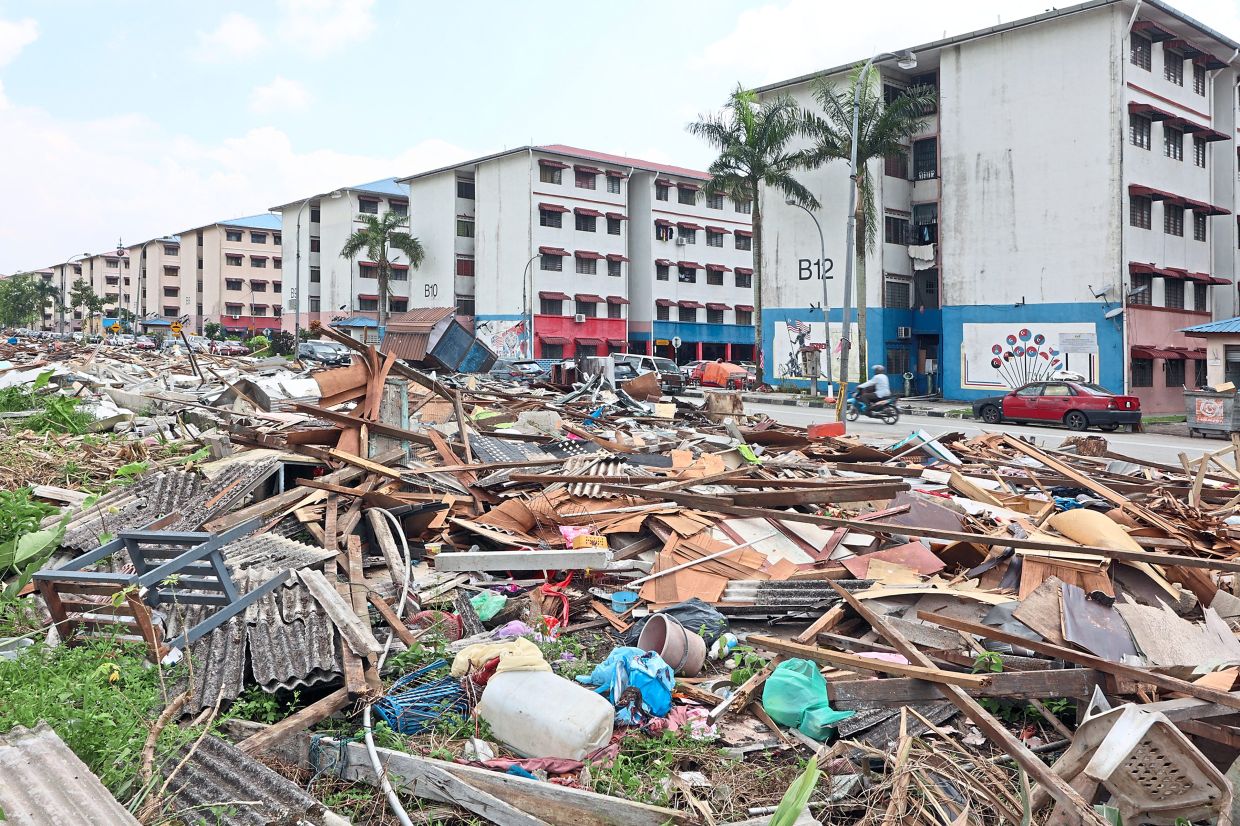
(878, 368)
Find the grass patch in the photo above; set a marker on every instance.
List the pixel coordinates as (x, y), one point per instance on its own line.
(1170, 419)
(637, 772)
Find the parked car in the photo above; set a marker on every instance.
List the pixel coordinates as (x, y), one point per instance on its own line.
(693, 371)
(325, 352)
(1075, 404)
(670, 377)
(516, 370)
(724, 374)
(227, 347)
(144, 343)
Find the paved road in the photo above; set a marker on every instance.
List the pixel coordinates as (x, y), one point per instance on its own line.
(1153, 446)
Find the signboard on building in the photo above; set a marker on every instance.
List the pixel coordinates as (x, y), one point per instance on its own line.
(1078, 342)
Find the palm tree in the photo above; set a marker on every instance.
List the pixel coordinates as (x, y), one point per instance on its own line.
(380, 235)
(884, 129)
(753, 141)
(45, 292)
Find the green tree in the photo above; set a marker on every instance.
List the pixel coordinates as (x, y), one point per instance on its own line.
(754, 140)
(47, 293)
(376, 239)
(21, 300)
(884, 129)
(83, 296)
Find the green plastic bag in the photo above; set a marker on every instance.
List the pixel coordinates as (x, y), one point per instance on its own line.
(487, 604)
(796, 695)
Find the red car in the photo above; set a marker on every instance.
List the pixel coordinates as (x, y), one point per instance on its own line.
(226, 347)
(1077, 405)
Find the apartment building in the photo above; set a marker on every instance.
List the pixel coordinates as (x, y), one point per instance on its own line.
(164, 288)
(237, 275)
(314, 232)
(110, 276)
(556, 251)
(1068, 206)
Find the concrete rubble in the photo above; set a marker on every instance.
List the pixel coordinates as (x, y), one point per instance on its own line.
(935, 621)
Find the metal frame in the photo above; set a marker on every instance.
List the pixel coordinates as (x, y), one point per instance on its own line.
(172, 567)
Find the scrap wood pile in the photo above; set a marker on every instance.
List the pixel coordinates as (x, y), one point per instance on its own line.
(605, 606)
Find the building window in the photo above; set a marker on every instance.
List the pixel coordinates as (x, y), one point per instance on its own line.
(615, 310)
(1142, 290)
(398, 305)
(1173, 67)
(714, 278)
(1140, 210)
(171, 272)
(662, 232)
(1173, 143)
(895, 230)
(232, 260)
(399, 207)
(1173, 220)
(171, 292)
(233, 309)
(277, 263)
(550, 175)
(744, 280)
(1175, 372)
(687, 275)
(1142, 50)
(551, 263)
(1139, 131)
(926, 159)
(743, 242)
(585, 308)
(464, 227)
(368, 206)
(1142, 372)
(168, 311)
(550, 218)
(662, 313)
(587, 266)
(613, 224)
(277, 286)
(314, 245)
(314, 219)
(744, 206)
(398, 274)
(1199, 226)
(661, 192)
(258, 309)
(714, 316)
(897, 293)
(586, 223)
(368, 304)
(714, 239)
(77, 269)
(277, 238)
(465, 266)
(553, 351)
(314, 275)
(586, 180)
(685, 195)
(897, 361)
(315, 304)
(258, 238)
(1173, 293)
(896, 165)
(744, 318)
(613, 268)
(551, 306)
(232, 235)
(688, 315)
(661, 272)
(465, 305)
(1201, 298)
(258, 263)
(258, 286)
(689, 235)
(167, 251)
(1199, 79)
(1199, 152)
(714, 201)
(113, 264)
(613, 184)
(233, 283)
(465, 189)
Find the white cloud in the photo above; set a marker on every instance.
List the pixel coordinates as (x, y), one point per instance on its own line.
(281, 94)
(236, 36)
(134, 179)
(16, 35)
(318, 27)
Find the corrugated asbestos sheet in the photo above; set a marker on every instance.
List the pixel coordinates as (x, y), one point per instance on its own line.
(220, 784)
(273, 553)
(43, 783)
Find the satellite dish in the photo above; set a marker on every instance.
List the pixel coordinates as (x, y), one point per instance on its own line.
(1114, 312)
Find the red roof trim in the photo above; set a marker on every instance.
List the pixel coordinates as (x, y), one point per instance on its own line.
(615, 256)
(745, 233)
(663, 262)
(586, 211)
(744, 270)
(689, 265)
(718, 268)
(589, 342)
(553, 296)
(552, 164)
(552, 251)
(663, 182)
(619, 216)
(683, 185)
(662, 222)
(552, 207)
(588, 170)
(368, 296)
(622, 160)
(1149, 110)
(664, 302)
(687, 225)
(615, 173)
(714, 305)
(553, 339)
(589, 298)
(689, 304)
(722, 230)
(588, 255)
(617, 299)
(747, 308)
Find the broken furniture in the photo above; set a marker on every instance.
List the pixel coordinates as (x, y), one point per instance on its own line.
(170, 568)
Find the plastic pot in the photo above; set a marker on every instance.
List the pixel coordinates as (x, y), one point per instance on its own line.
(684, 651)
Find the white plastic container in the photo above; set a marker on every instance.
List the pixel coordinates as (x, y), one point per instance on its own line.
(540, 714)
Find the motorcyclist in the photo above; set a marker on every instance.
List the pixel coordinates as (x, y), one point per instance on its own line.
(876, 389)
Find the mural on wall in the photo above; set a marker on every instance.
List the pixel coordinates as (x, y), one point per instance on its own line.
(506, 337)
(1010, 355)
(791, 336)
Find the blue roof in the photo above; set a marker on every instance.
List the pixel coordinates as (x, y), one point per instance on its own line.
(1227, 325)
(355, 321)
(263, 220)
(387, 186)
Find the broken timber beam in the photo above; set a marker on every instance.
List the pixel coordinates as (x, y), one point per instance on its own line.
(823, 656)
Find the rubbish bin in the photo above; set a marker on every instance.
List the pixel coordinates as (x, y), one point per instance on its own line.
(1209, 412)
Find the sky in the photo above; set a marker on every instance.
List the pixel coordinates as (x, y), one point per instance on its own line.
(133, 119)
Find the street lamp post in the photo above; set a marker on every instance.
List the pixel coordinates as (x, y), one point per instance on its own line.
(822, 274)
(527, 284)
(905, 60)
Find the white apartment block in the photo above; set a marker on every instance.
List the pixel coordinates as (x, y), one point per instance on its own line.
(231, 273)
(557, 251)
(1069, 205)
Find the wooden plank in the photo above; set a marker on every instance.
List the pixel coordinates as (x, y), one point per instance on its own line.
(382, 530)
(296, 722)
(357, 593)
(824, 623)
(823, 656)
(331, 541)
(328, 486)
(611, 617)
(1077, 683)
(816, 496)
(1053, 784)
(1140, 675)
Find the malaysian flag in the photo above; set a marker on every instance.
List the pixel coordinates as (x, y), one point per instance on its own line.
(799, 327)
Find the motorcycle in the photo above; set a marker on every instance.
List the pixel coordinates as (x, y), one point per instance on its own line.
(884, 409)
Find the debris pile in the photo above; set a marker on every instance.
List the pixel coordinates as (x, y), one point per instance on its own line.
(527, 602)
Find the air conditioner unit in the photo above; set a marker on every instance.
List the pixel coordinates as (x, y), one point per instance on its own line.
(234, 316)
(904, 332)
(680, 241)
(580, 318)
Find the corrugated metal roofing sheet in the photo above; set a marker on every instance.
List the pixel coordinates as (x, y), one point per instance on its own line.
(403, 345)
(46, 784)
(419, 319)
(264, 220)
(1226, 325)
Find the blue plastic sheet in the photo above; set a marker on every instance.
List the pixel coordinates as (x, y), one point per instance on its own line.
(645, 671)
